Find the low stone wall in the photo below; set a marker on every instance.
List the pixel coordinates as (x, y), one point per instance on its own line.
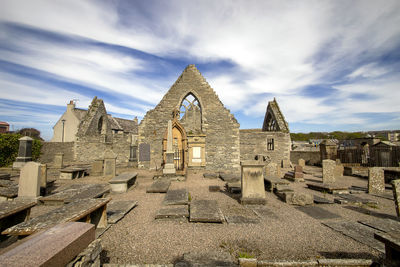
(90, 257)
(49, 149)
(254, 141)
(311, 157)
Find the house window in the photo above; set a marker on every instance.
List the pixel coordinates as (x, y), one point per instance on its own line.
(270, 144)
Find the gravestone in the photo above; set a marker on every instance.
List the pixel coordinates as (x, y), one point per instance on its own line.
(59, 160)
(144, 152)
(272, 170)
(328, 171)
(205, 211)
(396, 195)
(252, 183)
(43, 175)
(24, 152)
(29, 181)
(176, 197)
(97, 167)
(376, 180)
(285, 163)
(110, 162)
(302, 162)
(339, 170)
(169, 167)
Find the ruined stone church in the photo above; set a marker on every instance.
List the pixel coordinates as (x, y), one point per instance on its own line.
(205, 134)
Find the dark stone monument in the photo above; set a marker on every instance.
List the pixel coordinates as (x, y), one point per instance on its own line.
(144, 152)
(24, 152)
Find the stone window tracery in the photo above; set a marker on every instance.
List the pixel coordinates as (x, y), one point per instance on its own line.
(190, 114)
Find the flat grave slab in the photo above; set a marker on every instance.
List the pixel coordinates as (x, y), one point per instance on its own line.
(271, 182)
(214, 188)
(122, 182)
(358, 232)
(116, 210)
(385, 195)
(205, 211)
(237, 219)
(72, 172)
(8, 208)
(211, 175)
(329, 188)
(263, 212)
(230, 177)
(73, 193)
(173, 212)
(234, 187)
(384, 225)
(80, 210)
(392, 247)
(318, 212)
(352, 199)
(176, 197)
(321, 200)
(7, 193)
(159, 186)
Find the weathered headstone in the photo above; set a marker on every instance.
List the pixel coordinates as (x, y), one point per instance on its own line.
(376, 180)
(29, 181)
(272, 170)
(396, 195)
(110, 161)
(328, 171)
(43, 175)
(252, 183)
(144, 152)
(285, 163)
(302, 162)
(97, 167)
(338, 171)
(24, 152)
(169, 167)
(59, 160)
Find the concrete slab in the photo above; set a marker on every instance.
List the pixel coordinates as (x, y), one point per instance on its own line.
(159, 186)
(176, 197)
(116, 210)
(205, 211)
(173, 212)
(318, 212)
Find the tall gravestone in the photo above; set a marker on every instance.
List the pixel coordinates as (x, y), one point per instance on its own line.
(302, 162)
(328, 171)
(376, 180)
(29, 181)
(396, 195)
(272, 170)
(169, 167)
(253, 191)
(59, 160)
(110, 162)
(24, 152)
(97, 167)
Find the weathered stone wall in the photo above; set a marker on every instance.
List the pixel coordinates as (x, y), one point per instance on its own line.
(254, 141)
(49, 149)
(222, 148)
(311, 157)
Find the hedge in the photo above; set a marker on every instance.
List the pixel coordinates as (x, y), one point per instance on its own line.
(9, 145)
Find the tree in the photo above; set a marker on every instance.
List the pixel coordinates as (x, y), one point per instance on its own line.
(31, 132)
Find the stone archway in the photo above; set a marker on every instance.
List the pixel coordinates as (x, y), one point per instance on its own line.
(179, 143)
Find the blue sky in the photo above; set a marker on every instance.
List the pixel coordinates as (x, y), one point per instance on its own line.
(332, 65)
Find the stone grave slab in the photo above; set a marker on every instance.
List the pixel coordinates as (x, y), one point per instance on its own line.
(384, 225)
(74, 193)
(122, 182)
(322, 200)
(230, 177)
(173, 212)
(357, 189)
(376, 180)
(144, 152)
(351, 199)
(329, 188)
(4, 176)
(7, 193)
(176, 197)
(214, 188)
(295, 198)
(271, 182)
(263, 212)
(6, 183)
(205, 211)
(234, 187)
(318, 212)
(159, 186)
(237, 219)
(358, 232)
(392, 247)
(116, 210)
(211, 175)
(396, 195)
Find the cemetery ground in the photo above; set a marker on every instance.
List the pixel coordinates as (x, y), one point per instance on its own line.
(274, 231)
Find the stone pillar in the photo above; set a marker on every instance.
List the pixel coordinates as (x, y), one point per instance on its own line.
(302, 162)
(29, 181)
(110, 162)
(169, 167)
(59, 160)
(24, 152)
(43, 175)
(376, 180)
(328, 171)
(272, 170)
(396, 195)
(97, 167)
(253, 191)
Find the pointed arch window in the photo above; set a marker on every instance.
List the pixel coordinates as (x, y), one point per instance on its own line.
(190, 113)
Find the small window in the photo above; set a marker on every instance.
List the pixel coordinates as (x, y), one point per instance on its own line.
(270, 144)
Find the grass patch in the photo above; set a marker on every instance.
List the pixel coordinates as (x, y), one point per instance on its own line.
(245, 255)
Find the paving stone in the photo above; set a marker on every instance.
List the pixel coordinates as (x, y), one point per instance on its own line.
(116, 210)
(173, 212)
(358, 232)
(321, 200)
(384, 225)
(263, 212)
(205, 211)
(176, 197)
(159, 186)
(240, 220)
(318, 212)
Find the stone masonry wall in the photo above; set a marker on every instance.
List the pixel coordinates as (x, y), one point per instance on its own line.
(311, 157)
(49, 149)
(254, 141)
(222, 147)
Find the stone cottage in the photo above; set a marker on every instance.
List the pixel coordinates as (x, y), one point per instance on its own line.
(205, 134)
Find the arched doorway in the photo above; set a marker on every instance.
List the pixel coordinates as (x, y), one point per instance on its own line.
(179, 144)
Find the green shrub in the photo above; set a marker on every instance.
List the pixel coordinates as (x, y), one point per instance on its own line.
(9, 145)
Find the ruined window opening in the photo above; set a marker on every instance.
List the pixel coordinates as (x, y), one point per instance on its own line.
(190, 114)
(100, 125)
(270, 144)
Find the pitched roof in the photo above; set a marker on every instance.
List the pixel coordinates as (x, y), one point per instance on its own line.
(274, 119)
(130, 126)
(80, 113)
